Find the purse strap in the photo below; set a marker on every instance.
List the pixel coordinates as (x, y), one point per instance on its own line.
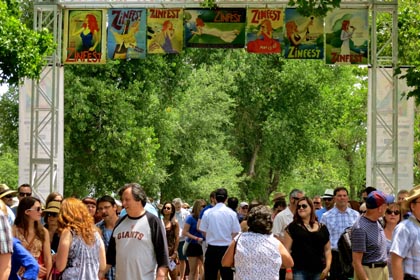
(236, 243)
(29, 246)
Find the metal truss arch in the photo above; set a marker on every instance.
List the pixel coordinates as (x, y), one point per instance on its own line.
(44, 168)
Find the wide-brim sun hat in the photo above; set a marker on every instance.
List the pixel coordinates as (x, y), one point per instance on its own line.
(413, 194)
(53, 207)
(278, 196)
(5, 190)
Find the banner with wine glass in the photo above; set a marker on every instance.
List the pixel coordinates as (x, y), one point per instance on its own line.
(303, 36)
(126, 33)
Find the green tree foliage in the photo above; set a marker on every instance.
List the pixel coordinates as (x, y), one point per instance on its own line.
(9, 114)
(304, 7)
(292, 117)
(184, 125)
(9, 167)
(314, 8)
(200, 159)
(284, 121)
(341, 137)
(108, 138)
(22, 50)
(409, 43)
(149, 125)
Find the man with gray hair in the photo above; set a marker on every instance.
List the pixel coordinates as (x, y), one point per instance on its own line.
(285, 217)
(181, 215)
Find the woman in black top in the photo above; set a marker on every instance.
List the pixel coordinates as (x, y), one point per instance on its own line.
(309, 243)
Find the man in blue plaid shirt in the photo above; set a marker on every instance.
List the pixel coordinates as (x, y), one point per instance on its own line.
(337, 220)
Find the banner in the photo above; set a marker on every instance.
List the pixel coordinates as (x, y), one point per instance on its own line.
(264, 30)
(347, 36)
(126, 33)
(165, 30)
(84, 37)
(215, 28)
(304, 36)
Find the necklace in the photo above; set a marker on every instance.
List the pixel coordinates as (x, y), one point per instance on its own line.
(308, 226)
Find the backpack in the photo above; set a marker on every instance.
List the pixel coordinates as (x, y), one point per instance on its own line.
(345, 253)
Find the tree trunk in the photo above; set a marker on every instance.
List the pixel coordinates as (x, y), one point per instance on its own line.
(251, 172)
(274, 182)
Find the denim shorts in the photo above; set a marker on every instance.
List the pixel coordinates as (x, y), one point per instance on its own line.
(305, 275)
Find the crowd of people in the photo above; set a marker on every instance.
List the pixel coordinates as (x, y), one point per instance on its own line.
(297, 238)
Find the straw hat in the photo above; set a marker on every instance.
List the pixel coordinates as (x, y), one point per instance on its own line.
(278, 196)
(412, 195)
(53, 207)
(5, 190)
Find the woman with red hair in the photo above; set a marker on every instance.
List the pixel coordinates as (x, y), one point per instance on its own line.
(264, 42)
(88, 33)
(346, 35)
(81, 252)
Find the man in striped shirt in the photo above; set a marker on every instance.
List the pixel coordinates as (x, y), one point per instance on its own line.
(368, 241)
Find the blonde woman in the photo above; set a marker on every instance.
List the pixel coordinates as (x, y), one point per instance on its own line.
(81, 252)
(33, 236)
(391, 219)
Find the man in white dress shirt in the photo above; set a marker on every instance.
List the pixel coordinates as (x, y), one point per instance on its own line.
(219, 224)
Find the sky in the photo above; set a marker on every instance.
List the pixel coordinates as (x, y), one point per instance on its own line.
(3, 89)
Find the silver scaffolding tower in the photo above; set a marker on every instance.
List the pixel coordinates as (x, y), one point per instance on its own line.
(45, 149)
(40, 146)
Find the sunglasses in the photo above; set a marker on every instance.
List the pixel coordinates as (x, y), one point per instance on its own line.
(295, 198)
(23, 194)
(395, 212)
(168, 208)
(9, 196)
(37, 209)
(316, 202)
(245, 207)
(55, 215)
(327, 199)
(303, 206)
